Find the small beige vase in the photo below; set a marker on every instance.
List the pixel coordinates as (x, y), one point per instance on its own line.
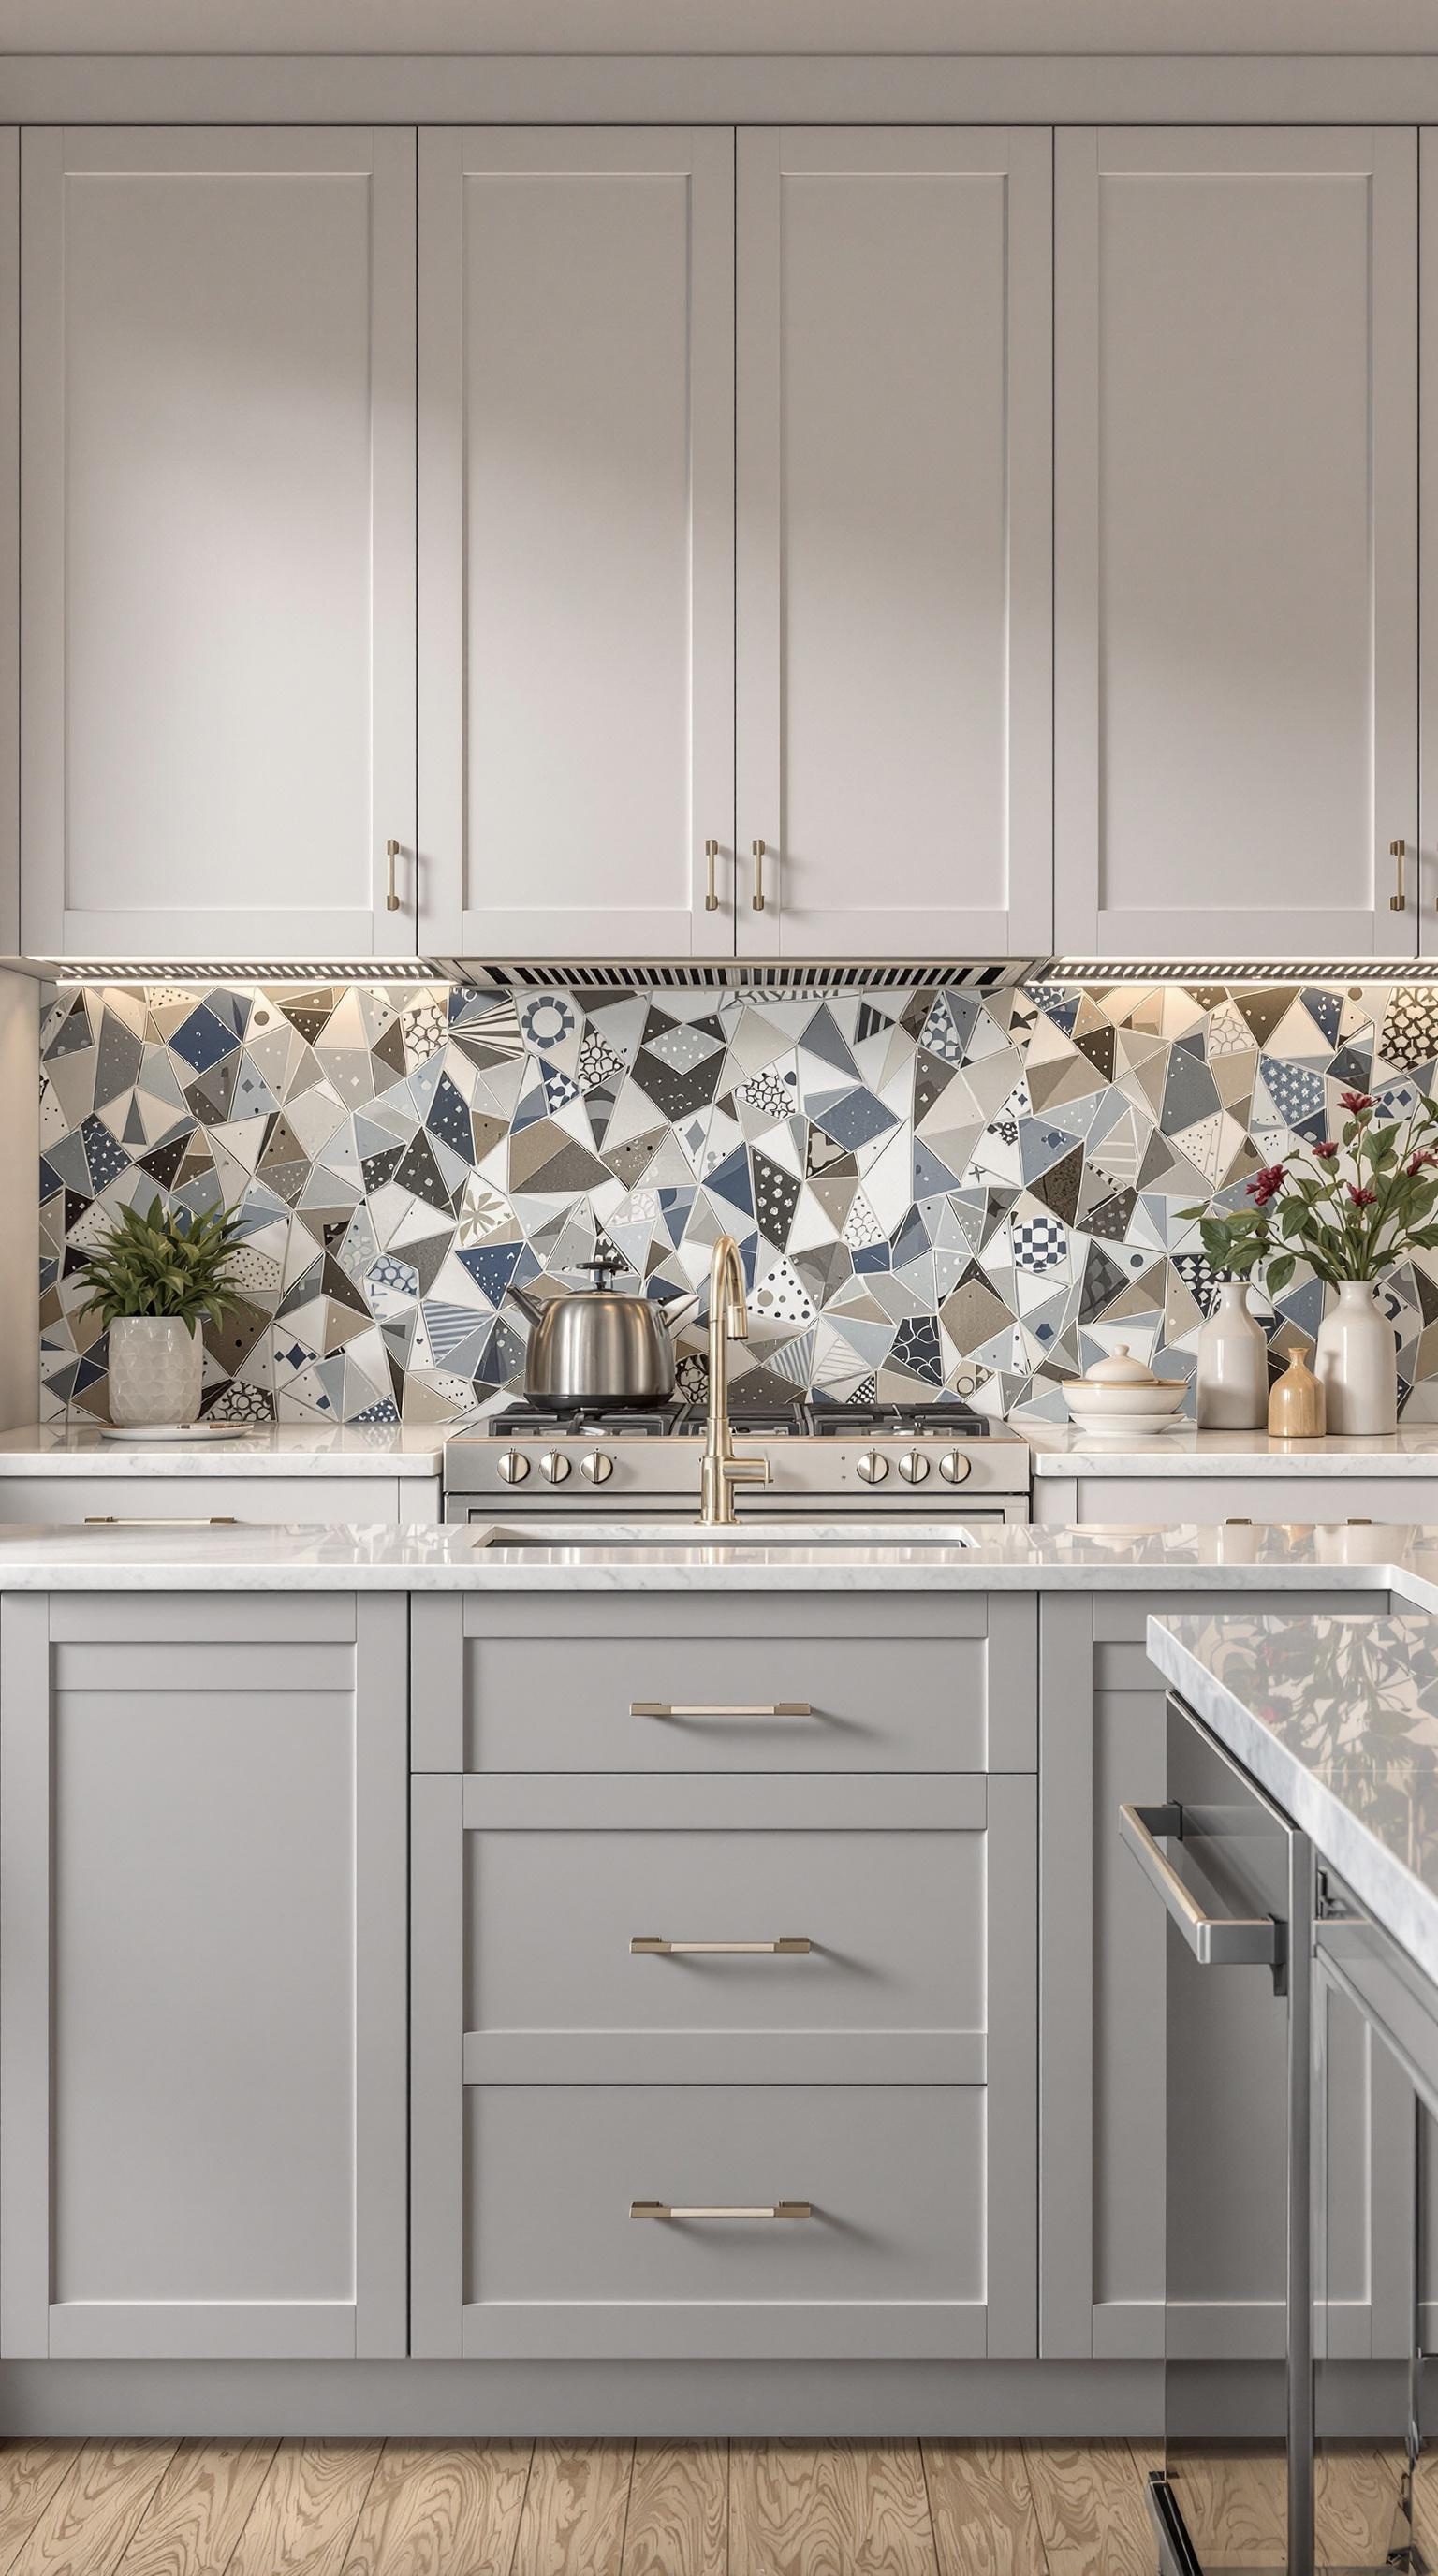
(156, 1367)
(1295, 1408)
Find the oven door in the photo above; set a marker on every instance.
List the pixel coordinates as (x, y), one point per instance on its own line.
(1232, 1874)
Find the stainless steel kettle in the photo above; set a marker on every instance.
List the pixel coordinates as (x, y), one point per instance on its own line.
(597, 1347)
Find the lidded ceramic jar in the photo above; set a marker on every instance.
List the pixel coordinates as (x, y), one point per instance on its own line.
(1123, 1389)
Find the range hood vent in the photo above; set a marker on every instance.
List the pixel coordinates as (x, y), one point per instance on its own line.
(728, 975)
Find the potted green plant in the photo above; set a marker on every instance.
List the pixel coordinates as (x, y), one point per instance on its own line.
(1350, 1208)
(155, 1280)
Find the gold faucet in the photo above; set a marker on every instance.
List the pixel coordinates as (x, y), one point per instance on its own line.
(728, 1315)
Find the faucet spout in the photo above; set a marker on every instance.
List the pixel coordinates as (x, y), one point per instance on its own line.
(728, 1321)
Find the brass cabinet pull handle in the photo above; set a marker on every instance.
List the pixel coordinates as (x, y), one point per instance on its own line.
(649, 1944)
(760, 849)
(1398, 902)
(717, 1708)
(720, 2209)
(159, 1520)
(391, 900)
(711, 899)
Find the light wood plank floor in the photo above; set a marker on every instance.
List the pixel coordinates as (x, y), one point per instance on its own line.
(266, 2508)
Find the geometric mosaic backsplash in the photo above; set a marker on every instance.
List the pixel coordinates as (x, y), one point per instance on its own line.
(933, 1190)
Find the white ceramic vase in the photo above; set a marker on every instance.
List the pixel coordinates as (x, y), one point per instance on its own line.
(1232, 1365)
(1357, 1364)
(156, 1364)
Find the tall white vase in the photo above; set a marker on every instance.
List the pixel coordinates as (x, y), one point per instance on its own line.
(1357, 1364)
(1232, 1365)
(156, 1369)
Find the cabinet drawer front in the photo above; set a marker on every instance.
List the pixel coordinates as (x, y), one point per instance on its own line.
(891, 2259)
(895, 1920)
(154, 1500)
(599, 1703)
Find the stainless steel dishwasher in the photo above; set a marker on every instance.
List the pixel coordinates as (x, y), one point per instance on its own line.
(1261, 1946)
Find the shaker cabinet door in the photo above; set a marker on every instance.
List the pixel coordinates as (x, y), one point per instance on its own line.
(202, 1976)
(1235, 543)
(894, 542)
(576, 500)
(217, 340)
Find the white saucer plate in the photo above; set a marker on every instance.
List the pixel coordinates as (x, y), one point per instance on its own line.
(191, 1434)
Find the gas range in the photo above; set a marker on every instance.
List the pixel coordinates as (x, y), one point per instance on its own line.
(870, 1460)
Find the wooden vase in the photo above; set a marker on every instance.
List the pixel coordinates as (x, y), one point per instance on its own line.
(1296, 1409)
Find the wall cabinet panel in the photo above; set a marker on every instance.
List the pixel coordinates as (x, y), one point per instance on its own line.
(576, 528)
(218, 541)
(894, 541)
(1235, 541)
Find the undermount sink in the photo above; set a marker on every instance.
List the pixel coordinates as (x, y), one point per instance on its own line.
(895, 1537)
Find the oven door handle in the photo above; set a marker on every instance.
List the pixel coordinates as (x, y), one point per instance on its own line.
(1216, 1940)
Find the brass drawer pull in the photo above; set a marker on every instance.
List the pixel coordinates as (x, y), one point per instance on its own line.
(720, 2209)
(159, 1520)
(649, 1945)
(717, 1708)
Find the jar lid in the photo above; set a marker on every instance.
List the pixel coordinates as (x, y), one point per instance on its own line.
(1120, 1369)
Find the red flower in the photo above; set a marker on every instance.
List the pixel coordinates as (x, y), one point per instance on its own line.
(1265, 1185)
(1423, 1156)
(1325, 1153)
(1361, 1197)
(1355, 1102)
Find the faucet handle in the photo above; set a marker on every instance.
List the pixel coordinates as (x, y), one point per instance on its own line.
(747, 1470)
(736, 1323)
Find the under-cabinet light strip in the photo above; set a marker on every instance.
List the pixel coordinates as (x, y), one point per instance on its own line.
(787, 975)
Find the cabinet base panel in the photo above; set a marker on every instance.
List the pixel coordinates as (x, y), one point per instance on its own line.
(1059, 2400)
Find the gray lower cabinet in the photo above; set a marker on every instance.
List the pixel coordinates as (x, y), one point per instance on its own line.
(788, 1966)
(1118, 2131)
(202, 1976)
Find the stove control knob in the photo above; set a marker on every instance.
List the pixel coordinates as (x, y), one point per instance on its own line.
(514, 1466)
(913, 1466)
(956, 1466)
(597, 1465)
(873, 1467)
(554, 1465)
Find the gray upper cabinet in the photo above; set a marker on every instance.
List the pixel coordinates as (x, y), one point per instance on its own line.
(894, 556)
(202, 1977)
(1236, 542)
(576, 499)
(217, 675)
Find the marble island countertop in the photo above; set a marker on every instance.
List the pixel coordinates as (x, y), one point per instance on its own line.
(678, 1557)
(1337, 1718)
(1062, 1449)
(270, 1448)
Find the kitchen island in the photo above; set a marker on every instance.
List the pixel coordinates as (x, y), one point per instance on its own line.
(471, 1979)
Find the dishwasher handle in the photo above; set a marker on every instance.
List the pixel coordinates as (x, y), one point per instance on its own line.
(1216, 1940)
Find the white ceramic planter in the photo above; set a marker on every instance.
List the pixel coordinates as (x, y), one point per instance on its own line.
(156, 1364)
(1357, 1364)
(1232, 1365)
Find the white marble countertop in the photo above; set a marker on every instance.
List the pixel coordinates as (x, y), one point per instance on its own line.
(1337, 1718)
(270, 1449)
(1062, 1449)
(617, 1556)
